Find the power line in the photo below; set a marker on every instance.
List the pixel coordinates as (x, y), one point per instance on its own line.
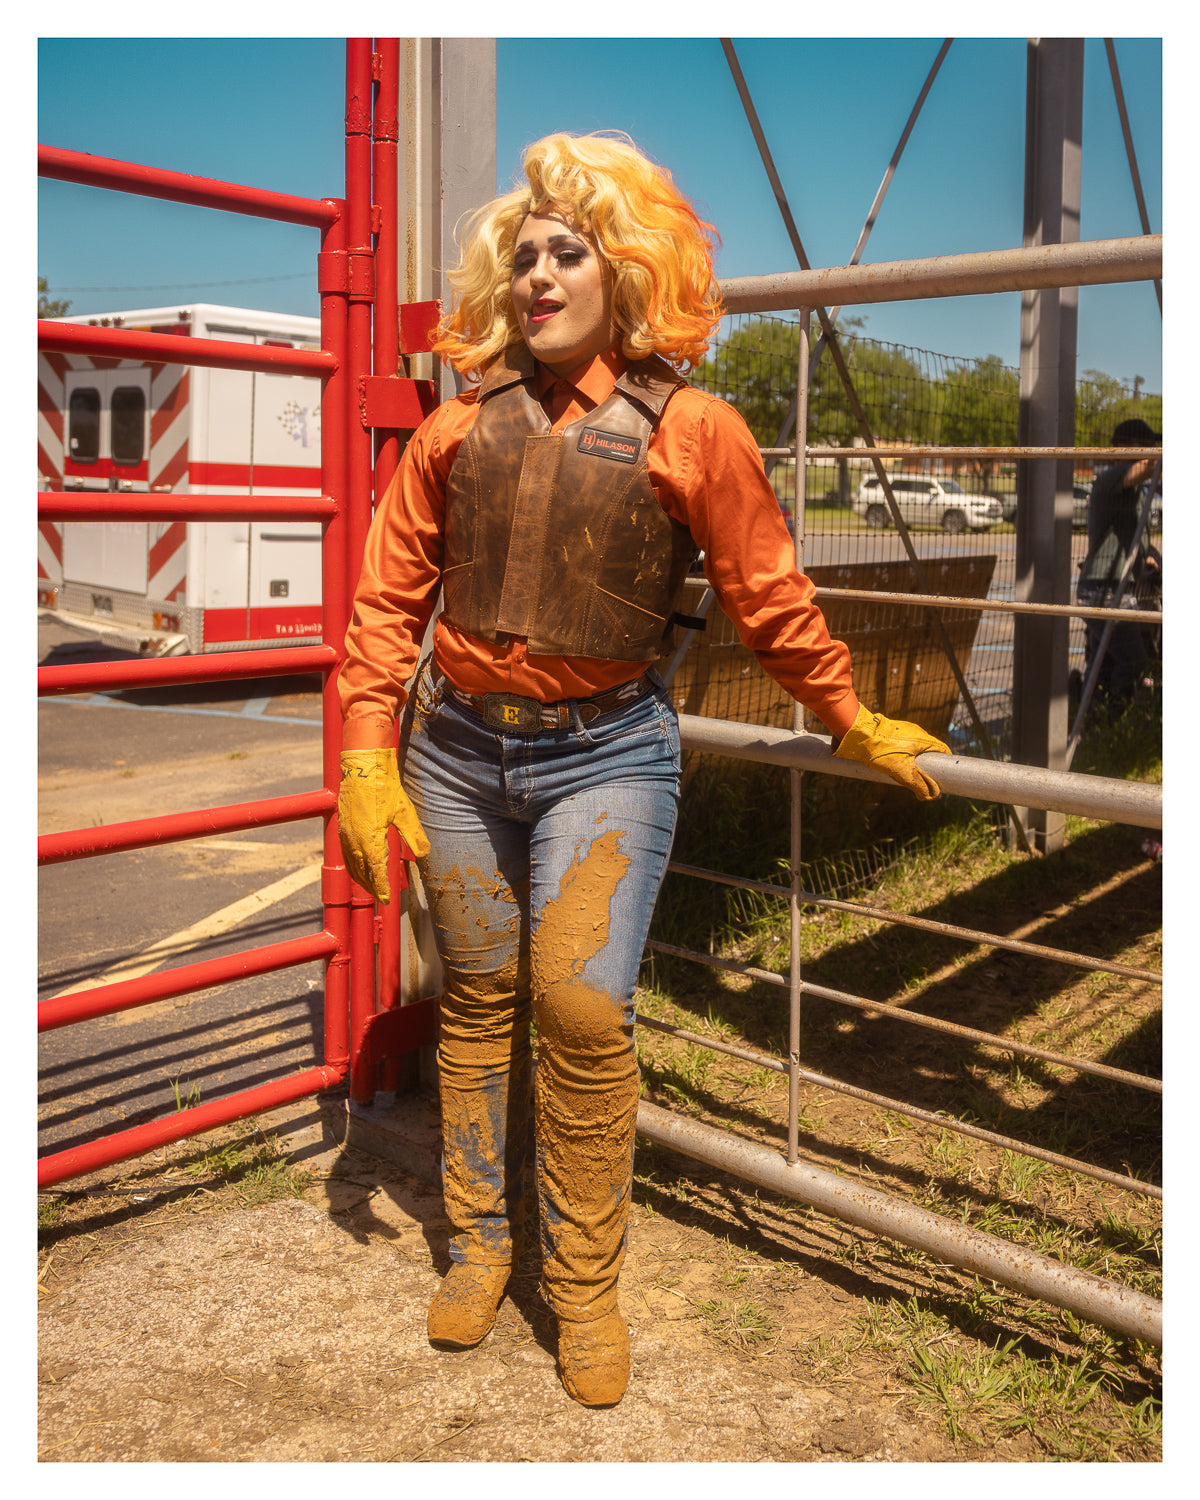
(183, 286)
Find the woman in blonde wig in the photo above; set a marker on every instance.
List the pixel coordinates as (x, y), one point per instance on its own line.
(558, 504)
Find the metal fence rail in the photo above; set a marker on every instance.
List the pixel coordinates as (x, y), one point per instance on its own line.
(1091, 796)
(1127, 1312)
(1085, 263)
(1107, 1302)
(1134, 802)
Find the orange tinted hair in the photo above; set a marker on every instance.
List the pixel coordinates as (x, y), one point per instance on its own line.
(665, 296)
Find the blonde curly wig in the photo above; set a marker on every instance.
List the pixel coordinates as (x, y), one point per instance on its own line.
(665, 296)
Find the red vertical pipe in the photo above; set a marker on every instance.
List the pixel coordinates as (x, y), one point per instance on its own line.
(385, 144)
(385, 136)
(358, 454)
(335, 597)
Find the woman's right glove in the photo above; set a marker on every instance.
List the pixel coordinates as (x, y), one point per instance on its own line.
(370, 801)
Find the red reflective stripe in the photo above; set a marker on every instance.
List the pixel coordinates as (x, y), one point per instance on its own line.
(53, 538)
(261, 624)
(278, 476)
(174, 470)
(59, 363)
(48, 467)
(168, 409)
(170, 542)
(51, 410)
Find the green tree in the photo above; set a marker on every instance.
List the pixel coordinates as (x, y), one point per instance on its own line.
(49, 307)
(978, 407)
(755, 370)
(891, 389)
(975, 404)
(1101, 402)
(1098, 398)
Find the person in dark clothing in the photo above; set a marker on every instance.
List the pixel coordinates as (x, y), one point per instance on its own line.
(1113, 513)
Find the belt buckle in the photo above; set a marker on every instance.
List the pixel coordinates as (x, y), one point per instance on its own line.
(517, 715)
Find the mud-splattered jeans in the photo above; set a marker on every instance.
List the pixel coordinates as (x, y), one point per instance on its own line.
(546, 855)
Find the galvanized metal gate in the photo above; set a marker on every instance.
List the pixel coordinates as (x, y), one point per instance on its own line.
(358, 396)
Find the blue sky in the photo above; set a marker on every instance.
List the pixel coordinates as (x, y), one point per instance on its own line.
(269, 112)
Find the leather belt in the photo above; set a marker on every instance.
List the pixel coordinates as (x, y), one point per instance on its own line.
(517, 715)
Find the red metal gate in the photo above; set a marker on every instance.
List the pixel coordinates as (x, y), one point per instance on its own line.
(361, 391)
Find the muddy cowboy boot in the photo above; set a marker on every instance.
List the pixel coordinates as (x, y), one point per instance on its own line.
(585, 1114)
(484, 1081)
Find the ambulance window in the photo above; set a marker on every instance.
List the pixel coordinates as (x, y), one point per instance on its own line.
(128, 424)
(84, 416)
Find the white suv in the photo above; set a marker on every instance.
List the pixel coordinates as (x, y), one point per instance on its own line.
(925, 501)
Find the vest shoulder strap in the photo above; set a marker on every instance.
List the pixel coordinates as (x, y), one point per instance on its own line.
(649, 383)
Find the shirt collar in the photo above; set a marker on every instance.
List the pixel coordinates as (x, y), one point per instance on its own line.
(594, 378)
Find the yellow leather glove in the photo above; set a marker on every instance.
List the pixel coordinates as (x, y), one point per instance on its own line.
(371, 799)
(891, 745)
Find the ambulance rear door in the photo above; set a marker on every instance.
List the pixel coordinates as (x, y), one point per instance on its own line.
(106, 446)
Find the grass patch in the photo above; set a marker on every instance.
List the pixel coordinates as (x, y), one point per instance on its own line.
(257, 1172)
(1071, 1406)
(50, 1215)
(186, 1096)
(743, 1325)
(1124, 740)
(237, 1172)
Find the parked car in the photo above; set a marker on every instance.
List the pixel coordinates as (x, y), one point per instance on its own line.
(924, 501)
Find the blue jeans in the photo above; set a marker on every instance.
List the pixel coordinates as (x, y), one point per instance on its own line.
(547, 852)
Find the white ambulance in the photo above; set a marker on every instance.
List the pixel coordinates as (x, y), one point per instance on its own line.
(164, 587)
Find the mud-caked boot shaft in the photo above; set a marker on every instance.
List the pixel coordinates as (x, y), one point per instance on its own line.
(585, 1110)
(484, 1085)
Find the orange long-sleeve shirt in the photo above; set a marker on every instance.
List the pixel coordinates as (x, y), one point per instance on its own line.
(705, 468)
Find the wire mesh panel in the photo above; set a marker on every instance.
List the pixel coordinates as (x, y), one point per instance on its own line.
(960, 513)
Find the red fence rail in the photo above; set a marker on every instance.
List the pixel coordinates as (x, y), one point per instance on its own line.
(347, 283)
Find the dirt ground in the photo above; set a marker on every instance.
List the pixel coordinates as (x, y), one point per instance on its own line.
(180, 1322)
(176, 1326)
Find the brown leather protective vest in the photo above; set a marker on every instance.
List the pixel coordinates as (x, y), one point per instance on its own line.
(558, 537)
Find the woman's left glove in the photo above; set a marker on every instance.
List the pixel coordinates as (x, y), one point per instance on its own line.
(371, 800)
(891, 745)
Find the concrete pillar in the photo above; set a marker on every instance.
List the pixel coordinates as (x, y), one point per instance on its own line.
(446, 168)
(1053, 143)
(447, 163)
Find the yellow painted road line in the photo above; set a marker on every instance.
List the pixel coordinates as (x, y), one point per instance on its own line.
(180, 943)
(243, 846)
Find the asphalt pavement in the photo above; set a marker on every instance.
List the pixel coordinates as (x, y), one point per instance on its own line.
(112, 758)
